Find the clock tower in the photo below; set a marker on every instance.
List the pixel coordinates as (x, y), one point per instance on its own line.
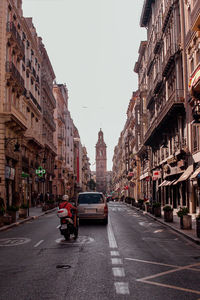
(101, 164)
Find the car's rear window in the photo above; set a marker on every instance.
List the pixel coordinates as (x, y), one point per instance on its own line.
(90, 198)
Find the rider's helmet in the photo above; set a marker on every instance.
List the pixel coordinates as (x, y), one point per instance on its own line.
(65, 198)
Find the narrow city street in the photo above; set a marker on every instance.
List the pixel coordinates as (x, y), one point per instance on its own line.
(133, 257)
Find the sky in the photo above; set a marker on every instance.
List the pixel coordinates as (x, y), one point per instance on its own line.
(93, 46)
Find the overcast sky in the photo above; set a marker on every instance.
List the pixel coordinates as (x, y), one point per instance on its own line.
(93, 46)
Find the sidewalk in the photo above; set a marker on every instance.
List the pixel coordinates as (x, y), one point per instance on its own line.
(34, 213)
(175, 225)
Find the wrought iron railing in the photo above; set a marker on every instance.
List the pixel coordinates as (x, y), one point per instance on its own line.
(12, 29)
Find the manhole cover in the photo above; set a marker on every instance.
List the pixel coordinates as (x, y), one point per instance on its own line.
(13, 241)
(79, 241)
(63, 266)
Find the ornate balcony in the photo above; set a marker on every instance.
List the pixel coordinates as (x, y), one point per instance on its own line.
(60, 136)
(157, 83)
(150, 98)
(150, 63)
(48, 90)
(49, 119)
(173, 105)
(167, 13)
(35, 102)
(158, 41)
(169, 58)
(15, 39)
(14, 78)
(28, 64)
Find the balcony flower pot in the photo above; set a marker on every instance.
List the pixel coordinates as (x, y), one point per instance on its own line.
(23, 211)
(12, 211)
(185, 219)
(157, 209)
(168, 213)
(198, 226)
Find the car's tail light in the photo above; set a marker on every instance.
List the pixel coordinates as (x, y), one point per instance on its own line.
(106, 209)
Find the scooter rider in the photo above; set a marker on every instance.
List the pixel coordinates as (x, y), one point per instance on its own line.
(65, 204)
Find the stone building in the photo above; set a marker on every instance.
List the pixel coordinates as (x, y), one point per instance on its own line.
(20, 108)
(192, 53)
(101, 163)
(60, 180)
(48, 101)
(166, 136)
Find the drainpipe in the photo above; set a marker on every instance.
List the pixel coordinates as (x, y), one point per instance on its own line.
(184, 63)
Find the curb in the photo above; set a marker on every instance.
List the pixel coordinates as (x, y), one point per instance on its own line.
(193, 239)
(26, 220)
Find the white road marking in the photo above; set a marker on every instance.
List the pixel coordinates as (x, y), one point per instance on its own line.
(111, 237)
(114, 253)
(116, 261)
(118, 272)
(122, 288)
(40, 242)
(151, 262)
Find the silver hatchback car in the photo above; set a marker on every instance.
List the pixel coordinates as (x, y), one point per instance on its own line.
(92, 206)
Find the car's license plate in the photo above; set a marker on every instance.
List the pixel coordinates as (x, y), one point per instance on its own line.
(64, 226)
(90, 211)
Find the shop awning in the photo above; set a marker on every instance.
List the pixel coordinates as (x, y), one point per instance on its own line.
(163, 183)
(194, 175)
(170, 182)
(186, 174)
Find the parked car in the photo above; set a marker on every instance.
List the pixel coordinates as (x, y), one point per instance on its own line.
(92, 206)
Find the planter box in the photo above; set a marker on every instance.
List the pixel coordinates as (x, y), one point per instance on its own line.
(186, 222)
(7, 220)
(13, 215)
(23, 213)
(168, 216)
(157, 211)
(198, 227)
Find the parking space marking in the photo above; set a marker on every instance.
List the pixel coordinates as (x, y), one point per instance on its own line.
(122, 288)
(40, 242)
(175, 269)
(118, 272)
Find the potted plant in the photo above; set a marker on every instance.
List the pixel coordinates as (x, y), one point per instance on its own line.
(2, 211)
(147, 205)
(11, 211)
(198, 225)
(168, 213)
(23, 209)
(185, 219)
(140, 203)
(157, 209)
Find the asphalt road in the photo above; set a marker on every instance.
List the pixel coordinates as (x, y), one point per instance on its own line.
(133, 257)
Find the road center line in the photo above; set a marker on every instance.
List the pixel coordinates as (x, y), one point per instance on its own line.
(114, 253)
(40, 242)
(118, 272)
(111, 237)
(116, 261)
(122, 288)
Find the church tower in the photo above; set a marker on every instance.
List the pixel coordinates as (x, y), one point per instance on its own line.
(101, 164)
